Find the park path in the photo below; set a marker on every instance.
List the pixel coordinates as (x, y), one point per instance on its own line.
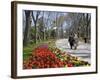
(83, 50)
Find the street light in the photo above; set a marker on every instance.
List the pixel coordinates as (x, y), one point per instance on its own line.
(55, 28)
(64, 33)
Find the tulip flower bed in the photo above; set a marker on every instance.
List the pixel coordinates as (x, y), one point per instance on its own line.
(69, 59)
(47, 57)
(43, 58)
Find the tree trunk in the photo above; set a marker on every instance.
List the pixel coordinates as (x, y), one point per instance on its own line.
(35, 22)
(27, 28)
(44, 36)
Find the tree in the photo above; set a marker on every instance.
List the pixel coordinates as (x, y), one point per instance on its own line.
(60, 19)
(35, 17)
(27, 27)
(80, 24)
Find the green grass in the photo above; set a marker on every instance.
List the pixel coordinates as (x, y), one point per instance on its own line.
(27, 50)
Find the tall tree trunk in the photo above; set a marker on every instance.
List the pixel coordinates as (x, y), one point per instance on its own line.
(35, 22)
(44, 36)
(35, 33)
(27, 28)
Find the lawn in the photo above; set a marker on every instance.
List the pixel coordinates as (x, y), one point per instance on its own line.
(27, 50)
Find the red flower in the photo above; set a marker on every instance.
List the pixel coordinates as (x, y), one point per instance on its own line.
(70, 65)
(43, 58)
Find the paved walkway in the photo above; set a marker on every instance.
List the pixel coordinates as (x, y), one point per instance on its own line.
(83, 50)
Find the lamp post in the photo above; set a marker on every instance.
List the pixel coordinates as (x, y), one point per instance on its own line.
(55, 28)
(64, 33)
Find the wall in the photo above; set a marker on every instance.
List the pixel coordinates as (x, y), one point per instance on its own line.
(5, 40)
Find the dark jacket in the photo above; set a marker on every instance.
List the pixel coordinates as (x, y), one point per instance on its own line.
(71, 40)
